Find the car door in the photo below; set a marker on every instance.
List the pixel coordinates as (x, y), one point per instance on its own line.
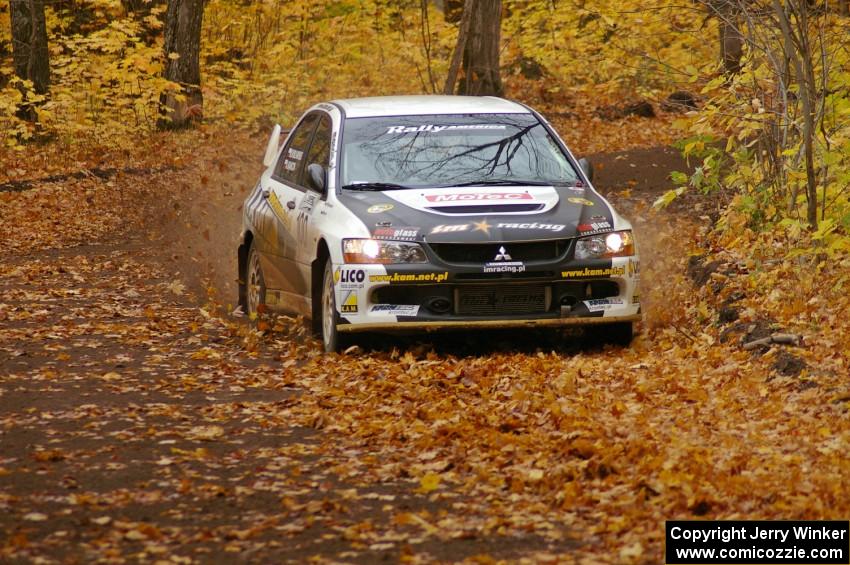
(283, 282)
(307, 231)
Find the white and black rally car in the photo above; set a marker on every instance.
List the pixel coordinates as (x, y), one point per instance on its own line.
(424, 212)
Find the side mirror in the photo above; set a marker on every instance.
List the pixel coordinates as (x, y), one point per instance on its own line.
(272, 147)
(587, 168)
(316, 177)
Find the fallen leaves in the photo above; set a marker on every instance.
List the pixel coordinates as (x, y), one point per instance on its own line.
(35, 517)
(155, 424)
(205, 433)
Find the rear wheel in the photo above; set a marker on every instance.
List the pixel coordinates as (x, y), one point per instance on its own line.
(255, 290)
(332, 341)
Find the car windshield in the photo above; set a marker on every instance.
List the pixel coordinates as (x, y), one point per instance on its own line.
(447, 150)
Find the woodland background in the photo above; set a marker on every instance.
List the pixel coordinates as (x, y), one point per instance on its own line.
(140, 420)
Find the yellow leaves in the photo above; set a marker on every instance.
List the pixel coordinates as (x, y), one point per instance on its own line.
(429, 482)
(198, 453)
(206, 353)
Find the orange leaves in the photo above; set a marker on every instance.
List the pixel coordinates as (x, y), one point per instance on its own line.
(51, 455)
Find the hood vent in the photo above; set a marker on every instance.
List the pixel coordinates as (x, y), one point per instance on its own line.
(487, 208)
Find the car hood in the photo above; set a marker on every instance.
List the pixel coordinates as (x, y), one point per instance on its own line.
(481, 214)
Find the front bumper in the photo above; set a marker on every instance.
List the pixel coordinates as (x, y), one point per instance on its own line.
(482, 324)
(433, 296)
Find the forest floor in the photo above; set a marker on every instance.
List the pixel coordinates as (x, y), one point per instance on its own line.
(141, 421)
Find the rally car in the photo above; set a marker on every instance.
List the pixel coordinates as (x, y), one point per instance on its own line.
(416, 213)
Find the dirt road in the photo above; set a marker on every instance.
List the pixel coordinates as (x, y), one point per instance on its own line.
(140, 422)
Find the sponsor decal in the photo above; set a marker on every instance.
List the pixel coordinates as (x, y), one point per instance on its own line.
(504, 267)
(307, 202)
(290, 165)
(483, 226)
(582, 201)
(530, 226)
(431, 128)
(400, 234)
(295, 154)
(332, 164)
(274, 202)
(449, 228)
(410, 277)
(349, 279)
(594, 227)
(279, 210)
(587, 272)
(395, 309)
(378, 208)
(478, 197)
(634, 267)
(326, 107)
(602, 304)
(349, 305)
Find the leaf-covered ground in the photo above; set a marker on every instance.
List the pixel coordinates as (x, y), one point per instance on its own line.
(139, 421)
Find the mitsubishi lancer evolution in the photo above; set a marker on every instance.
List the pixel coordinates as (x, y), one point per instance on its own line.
(415, 213)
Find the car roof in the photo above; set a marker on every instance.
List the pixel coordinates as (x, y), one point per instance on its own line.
(427, 104)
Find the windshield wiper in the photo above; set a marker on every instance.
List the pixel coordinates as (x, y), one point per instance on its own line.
(499, 182)
(374, 186)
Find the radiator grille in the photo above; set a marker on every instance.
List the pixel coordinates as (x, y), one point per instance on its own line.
(548, 250)
(490, 300)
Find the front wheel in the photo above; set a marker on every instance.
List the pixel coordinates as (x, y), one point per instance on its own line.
(621, 333)
(618, 333)
(332, 341)
(255, 299)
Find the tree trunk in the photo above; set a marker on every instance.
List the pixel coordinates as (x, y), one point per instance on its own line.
(29, 46)
(801, 57)
(478, 50)
(731, 38)
(460, 47)
(182, 51)
(481, 52)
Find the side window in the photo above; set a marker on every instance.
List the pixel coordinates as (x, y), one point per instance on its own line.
(320, 151)
(291, 161)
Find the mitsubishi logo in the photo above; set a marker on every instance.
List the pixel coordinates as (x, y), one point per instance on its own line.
(502, 255)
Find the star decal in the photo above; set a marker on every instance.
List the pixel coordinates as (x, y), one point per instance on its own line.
(482, 226)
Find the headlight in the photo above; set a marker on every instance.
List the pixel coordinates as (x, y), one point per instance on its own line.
(384, 252)
(613, 244)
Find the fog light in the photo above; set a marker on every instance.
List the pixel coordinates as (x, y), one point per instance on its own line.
(438, 305)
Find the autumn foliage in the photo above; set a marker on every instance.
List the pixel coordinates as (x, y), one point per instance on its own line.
(143, 420)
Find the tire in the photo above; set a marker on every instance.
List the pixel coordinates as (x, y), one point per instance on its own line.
(255, 285)
(621, 333)
(332, 341)
(618, 333)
